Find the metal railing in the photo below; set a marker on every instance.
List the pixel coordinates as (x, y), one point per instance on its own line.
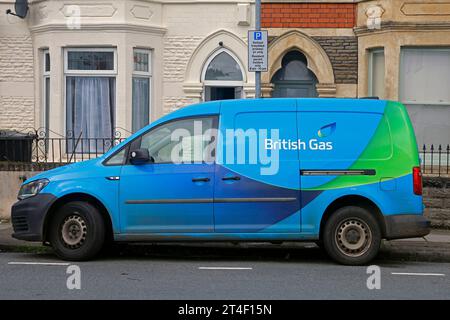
(41, 149)
(435, 160)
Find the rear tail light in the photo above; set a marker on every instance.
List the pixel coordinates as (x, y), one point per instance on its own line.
(417, 181)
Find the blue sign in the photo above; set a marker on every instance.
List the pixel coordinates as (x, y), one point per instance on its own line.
(257, 35)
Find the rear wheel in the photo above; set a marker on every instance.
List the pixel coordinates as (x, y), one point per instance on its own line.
(77, 231)
(352, 236)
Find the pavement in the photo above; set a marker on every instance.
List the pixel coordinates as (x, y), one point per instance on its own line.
(434, 247)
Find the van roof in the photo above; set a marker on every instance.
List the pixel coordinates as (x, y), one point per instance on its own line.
(303, 104)
(323, 104)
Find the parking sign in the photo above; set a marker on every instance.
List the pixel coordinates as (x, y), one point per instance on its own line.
(257, 51)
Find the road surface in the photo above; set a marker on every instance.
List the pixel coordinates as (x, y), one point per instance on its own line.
(189, 272)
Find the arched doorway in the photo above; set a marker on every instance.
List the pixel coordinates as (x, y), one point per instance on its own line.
(294, 79)
(222, 77)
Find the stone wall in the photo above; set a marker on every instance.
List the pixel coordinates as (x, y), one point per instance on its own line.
(177, 52)
(16, 113)
(343, 54)
(10, 182)
(436, 193)
(16, 78)
(16, 58)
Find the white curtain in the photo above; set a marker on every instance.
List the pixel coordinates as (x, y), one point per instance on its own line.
(425, 76)
(90, 110)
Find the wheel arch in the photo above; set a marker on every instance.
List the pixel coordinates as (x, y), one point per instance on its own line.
(353, 200)
(79, 196)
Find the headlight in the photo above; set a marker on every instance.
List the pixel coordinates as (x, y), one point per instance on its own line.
(32, 188)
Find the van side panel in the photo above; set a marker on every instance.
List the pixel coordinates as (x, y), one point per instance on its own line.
(391, 153)
(264, 197)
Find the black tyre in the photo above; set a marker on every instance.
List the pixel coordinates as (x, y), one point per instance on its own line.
(77, 231)
(352, 236)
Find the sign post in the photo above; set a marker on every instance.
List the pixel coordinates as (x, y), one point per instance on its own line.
(257, 41)
(257, 56)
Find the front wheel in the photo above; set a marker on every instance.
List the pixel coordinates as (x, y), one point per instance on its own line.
(77, 231)
(352, 236)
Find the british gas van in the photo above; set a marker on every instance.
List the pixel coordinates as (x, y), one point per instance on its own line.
(343, 173)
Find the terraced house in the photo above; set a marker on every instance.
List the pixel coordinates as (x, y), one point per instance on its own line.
(91, 69)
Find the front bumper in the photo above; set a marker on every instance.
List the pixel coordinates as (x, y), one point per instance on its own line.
(402, 226)
(28, 216)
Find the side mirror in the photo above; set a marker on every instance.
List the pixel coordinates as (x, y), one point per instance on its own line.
(140, 156)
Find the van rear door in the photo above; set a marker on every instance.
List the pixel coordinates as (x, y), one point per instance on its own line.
(333, 137)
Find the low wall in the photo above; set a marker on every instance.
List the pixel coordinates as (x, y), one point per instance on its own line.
(436, 197)
(436, 193)
(10, 182)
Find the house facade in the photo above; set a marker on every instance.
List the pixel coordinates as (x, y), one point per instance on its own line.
(94, 68)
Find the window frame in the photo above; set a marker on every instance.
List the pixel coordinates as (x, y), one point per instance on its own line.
(150, 56)
(87, 73)
(222, 83)
(373, 51)
(146, 75)
(97, 73)
(401, 76)
(45, 112)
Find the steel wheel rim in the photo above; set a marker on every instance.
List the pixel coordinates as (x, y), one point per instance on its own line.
(353, 237)
(73, 231)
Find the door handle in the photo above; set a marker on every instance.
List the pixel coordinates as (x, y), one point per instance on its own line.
(113, 178)
(235, 178)
(200, 179)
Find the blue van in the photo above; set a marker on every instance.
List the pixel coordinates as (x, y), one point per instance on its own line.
(343, 173)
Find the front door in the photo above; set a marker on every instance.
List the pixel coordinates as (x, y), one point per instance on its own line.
(213, 93)
(174, 193)
(257, 188)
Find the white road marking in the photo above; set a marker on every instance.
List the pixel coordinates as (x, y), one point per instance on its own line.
(40, 263)
(225, 268)
(418, 274)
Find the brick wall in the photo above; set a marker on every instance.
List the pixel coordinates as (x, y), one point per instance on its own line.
(436, 196)
(308, 15)
(343, 54)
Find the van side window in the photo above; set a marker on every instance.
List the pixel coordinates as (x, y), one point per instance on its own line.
(182, 141)
(118, 158)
